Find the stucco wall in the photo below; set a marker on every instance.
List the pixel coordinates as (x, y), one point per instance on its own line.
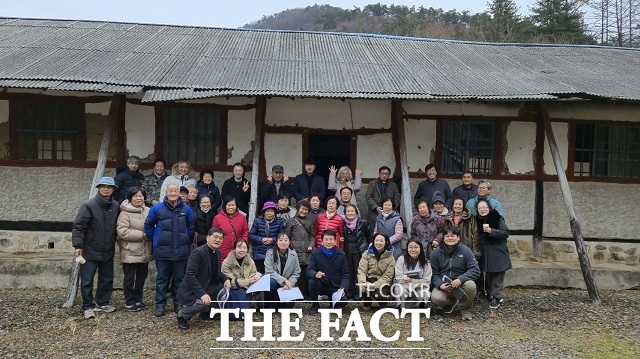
(421, 142)
(328, 114)
(605, 210)
(241, 135)
(617, 111)
(140, 126)
(4, 129)
(375, 151)
(521, 147)
(452, 108)
(285, 150)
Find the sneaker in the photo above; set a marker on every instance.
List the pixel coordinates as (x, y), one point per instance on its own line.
(495, 303)
(141, 305)
(182, 323)
(323, 297)
(466, 314)
(89, 314)
(131, 308)
(104, 308)
(159, 311)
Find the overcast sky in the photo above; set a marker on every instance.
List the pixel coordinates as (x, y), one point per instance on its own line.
(215, 13)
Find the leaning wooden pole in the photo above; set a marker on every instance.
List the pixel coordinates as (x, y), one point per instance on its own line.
(568, 201)
(74, 279)
(255, 165)
(407, 203)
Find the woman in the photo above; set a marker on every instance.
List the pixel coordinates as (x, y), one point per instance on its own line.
(376, 270)
(461, 217)
(300, 231)
(203, 219)
(232, 223)
(263, 233)
(495, 260)
(282, 264)
(241, 270)
(330, 219)
(284, 210)
(427, 227)
(413, 274)
(239, 188)
(135, 247)
(315, 202)
(389, 224)
(206, 187)
(439, 205)
(343, 178)
(357, 237)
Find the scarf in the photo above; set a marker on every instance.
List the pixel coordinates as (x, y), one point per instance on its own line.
(267, 225)
(203, 211)
(351, 224)
(330, 215)
(328, 253)
(385, 215)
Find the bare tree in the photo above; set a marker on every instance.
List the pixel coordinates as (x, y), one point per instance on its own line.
(617, 22)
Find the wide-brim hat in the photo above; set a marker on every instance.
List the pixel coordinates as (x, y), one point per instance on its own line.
(107, 181)
(268, 205)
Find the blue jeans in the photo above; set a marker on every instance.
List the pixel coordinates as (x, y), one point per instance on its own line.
(105, 282)
(169, 270)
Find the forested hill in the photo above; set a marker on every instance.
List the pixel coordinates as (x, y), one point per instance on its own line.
(550, 21)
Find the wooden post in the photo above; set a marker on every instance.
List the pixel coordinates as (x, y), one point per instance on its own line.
(407, 203)
(261, 103)
(568, 201)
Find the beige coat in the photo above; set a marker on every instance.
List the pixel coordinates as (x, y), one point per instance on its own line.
(233, 270)
(134, 245)
(381, 270)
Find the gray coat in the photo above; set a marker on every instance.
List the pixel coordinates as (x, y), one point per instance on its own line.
(374, 198)
(291, 268)
(300, 232)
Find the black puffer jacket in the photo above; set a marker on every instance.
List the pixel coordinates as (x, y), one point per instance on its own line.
(94, 229)
(364, 232)
(202, 224)
(126, 180)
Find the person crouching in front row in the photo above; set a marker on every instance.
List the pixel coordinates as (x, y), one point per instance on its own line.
(203, 279)
(327, 271)
(375, 272)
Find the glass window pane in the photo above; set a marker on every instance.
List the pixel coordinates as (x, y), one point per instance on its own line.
(192, 133)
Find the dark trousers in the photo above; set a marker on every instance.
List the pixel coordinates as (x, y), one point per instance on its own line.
(260, 266)
(303, 283)
(480, 284)
(135, 274)
(353, 260)
(320, 287)
(381, 295)
(495, 284)
(189, 311)
(104, 288)
(169, 270)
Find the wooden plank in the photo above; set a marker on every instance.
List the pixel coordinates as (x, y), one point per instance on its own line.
(568, 201)
(261, 105)
(407, 202)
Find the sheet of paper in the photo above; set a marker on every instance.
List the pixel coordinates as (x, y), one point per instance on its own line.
(262, 285)
(287, 295)
(336, 298)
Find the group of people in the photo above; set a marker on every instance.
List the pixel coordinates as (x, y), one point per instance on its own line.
(199, 253)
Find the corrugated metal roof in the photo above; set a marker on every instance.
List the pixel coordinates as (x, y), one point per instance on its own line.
(179, 62)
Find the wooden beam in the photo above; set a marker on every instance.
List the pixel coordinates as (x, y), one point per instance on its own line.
(261, 106)
(407, 202)
(568, 201)
(116, 102)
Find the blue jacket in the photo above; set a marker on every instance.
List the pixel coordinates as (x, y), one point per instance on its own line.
(336, 270)
(212, 191)
(171, 228)
(300, 189)
(494, 203)
(258, 231)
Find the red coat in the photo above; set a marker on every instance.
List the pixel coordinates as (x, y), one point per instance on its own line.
(336, 223)
(234, 227)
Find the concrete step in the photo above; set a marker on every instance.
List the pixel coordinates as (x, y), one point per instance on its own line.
(42, 270)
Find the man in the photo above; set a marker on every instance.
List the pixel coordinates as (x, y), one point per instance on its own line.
(94, 238)
(346, 193)
(181, 174)
(457, 262)
(328, 271)
(129, 178)
(275, 184)
(467, 189)
(153, 183)
(170, 224)
(202, 280)
(378, 191)
(428, 187)
(484, 192)
(308, 182)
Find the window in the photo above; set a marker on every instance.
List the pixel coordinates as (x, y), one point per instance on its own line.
(468, 146)
(48, 130)
(607, 151)
(193, 134)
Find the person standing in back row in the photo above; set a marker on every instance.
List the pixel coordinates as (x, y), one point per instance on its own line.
(239, 188)
(428, 188)
(308, 182)
(378, 191)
